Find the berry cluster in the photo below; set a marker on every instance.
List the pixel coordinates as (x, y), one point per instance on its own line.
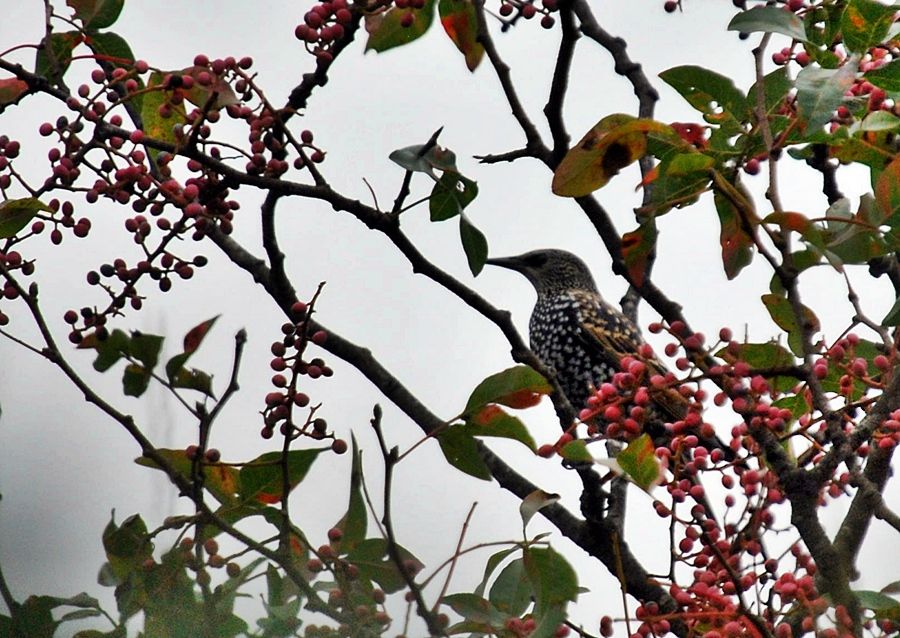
(728, 558)
(353, 596)
(325, 24)
(289, 366)
(527, 9)
(189, 555)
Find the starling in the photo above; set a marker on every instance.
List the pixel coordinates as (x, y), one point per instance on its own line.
(583, 338)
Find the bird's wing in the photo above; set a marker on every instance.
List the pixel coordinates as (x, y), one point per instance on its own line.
(609, 335)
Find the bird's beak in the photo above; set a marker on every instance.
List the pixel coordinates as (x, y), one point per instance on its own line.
(512, 263)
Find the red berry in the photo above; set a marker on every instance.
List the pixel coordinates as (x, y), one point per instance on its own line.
(670, 6)
(339, 446)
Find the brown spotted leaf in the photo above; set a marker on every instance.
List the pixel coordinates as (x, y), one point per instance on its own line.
(612, 144)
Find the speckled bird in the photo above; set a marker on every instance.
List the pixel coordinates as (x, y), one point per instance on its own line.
(577, 333)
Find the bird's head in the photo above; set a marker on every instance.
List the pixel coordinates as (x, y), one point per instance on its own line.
(549, 270)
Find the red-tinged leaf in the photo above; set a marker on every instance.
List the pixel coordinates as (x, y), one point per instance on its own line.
(221, 480)
(492, 420)
(639, 462)
(497, 387)
(887, 192)
(155, 125)
(637, 247)
(396, 27)
(195, 335)
(612, 144)
(262, 479)
(521, 399)
(797, 222)
(865, 23)
(96, 14)
(15, 214)
(737, 244)
(460, 21)
(485, 415)
(11, 89)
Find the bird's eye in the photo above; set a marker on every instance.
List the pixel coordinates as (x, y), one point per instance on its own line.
(536, 261)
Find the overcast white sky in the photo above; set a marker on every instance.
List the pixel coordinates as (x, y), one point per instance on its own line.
(63, 466)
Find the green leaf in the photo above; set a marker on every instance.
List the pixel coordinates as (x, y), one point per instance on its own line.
(16, 213)
(155, 125)
(880, 121)
(220, 479)
(354, 522)
(796, 403)
(96, 14)
(145, 348)
(637, 246)
(737, 244)
(865, 23)
(111, 45)
(450, 195)
(777, 86)
(576, 451)
(413, 159)
(11, 89)
(821, 91)
(135, 380)
(491, 565)
(511, 592)
(892, 318)
(783, 315)
(507, 387)
(474, 244)
(127, 545)
(460, 22)
(372, 559)
(887, 77)
(639, 462)
(475, 609)
(109, 350)
(884, 606)
(712, 94)
(262, 479)
(53, 59)
(193, 379)
(461, 451)
(386, 29)
(492, 420)
(552, 578)
(763, 356)
(769, 20)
